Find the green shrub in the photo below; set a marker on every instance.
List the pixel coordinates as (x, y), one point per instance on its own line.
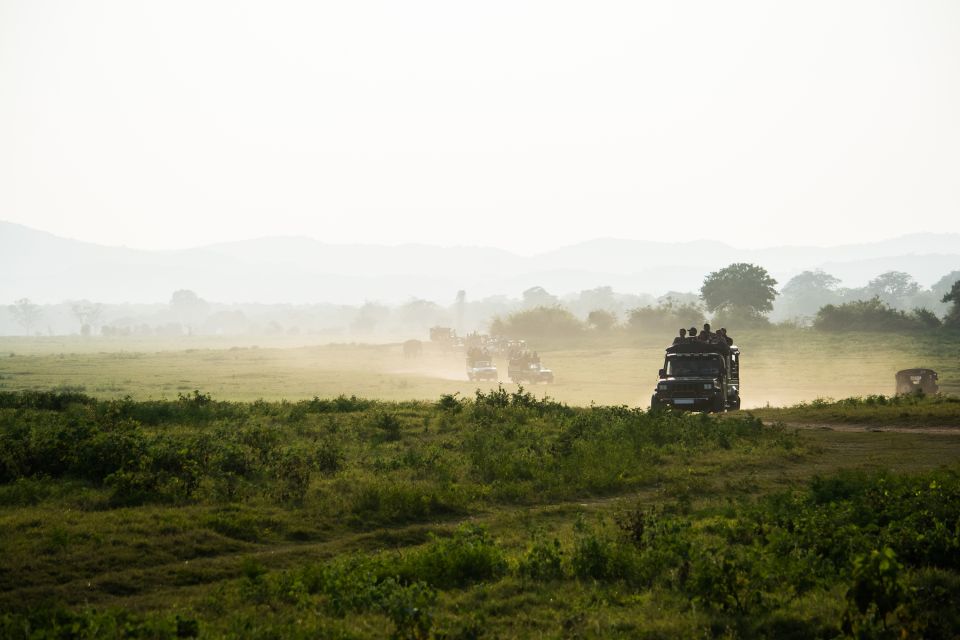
(470, 555)
(388, 424)
(328, 456)
(340, 404)
(292, 470)
(409, 608)
(542, 561)
(932, 609)
(43, 400)
(394, 501)
(598, 556)
(450, 402)
(729, 579)
(871, 315)
(876, 592)
(91, 624)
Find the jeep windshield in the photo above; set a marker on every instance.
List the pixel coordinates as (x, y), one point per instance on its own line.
(693, 367)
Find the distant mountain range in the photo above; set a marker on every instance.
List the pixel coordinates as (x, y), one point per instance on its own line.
(50, 269)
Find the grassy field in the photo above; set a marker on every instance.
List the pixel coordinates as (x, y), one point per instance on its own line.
(780, 367)
(497, 516)
(200, 487)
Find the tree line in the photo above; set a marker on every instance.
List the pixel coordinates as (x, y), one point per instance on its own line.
(741, 295)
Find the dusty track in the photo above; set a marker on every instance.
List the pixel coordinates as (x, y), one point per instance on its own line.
(847, 427)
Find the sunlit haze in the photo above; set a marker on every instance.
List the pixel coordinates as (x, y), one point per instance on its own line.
(520, 125)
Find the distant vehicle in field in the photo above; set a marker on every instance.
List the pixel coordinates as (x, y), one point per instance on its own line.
(914, 380)
(412, 349)
(526, 367)
(443, 337)
(482, 370)
(480, 366)
(699, 376)
(533, 373)
(442, 334)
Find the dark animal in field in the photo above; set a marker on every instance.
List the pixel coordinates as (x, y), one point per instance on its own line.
(412, 349)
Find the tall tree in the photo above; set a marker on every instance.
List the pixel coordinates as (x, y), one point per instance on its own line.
(602, 320)
(806, 293)
(944, 285)
(539, 322)
(599, 298)
(87, 314)
(896, 288)
(817, 281)
(539, 297)
(421, 314)
(953, 296)
(369, 317)
(25, 313)
(189, 308)
(743, 292)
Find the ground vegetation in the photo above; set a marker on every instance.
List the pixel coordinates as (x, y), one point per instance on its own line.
(498, 515)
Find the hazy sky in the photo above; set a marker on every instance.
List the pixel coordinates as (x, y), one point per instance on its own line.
(524, 125)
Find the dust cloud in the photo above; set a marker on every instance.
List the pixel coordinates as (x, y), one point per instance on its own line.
(778, 368)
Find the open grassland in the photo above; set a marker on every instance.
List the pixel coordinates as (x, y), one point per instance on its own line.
(780, 367)
(500, 515)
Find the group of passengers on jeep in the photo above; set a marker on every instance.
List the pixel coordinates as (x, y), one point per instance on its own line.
(476, 354)
(711, 337)
(523, 357)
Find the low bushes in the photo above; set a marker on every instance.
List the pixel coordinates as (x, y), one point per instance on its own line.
(504, 446)
(873, 315)
(862, 554)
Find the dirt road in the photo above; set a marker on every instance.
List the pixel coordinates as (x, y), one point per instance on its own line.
(847, 427)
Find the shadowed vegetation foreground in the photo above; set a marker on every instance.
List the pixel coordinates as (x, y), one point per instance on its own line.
(504, 514)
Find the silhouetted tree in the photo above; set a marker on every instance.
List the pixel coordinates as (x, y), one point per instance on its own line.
(25, 313)
(189, 308)
(369, 316)
(539, 322)
(602, 320)
(421, 314)
(952, 318)
(87, 314)
(944, 285)
(539, 297)
(811, 282)
(741, 293)
(806, 293)
(600, 298)
(896, 288)
(668, 316)
(872, 315)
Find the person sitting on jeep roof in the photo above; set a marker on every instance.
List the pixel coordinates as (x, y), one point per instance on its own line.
(682, 338)
(692, 333)
(706, 335)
